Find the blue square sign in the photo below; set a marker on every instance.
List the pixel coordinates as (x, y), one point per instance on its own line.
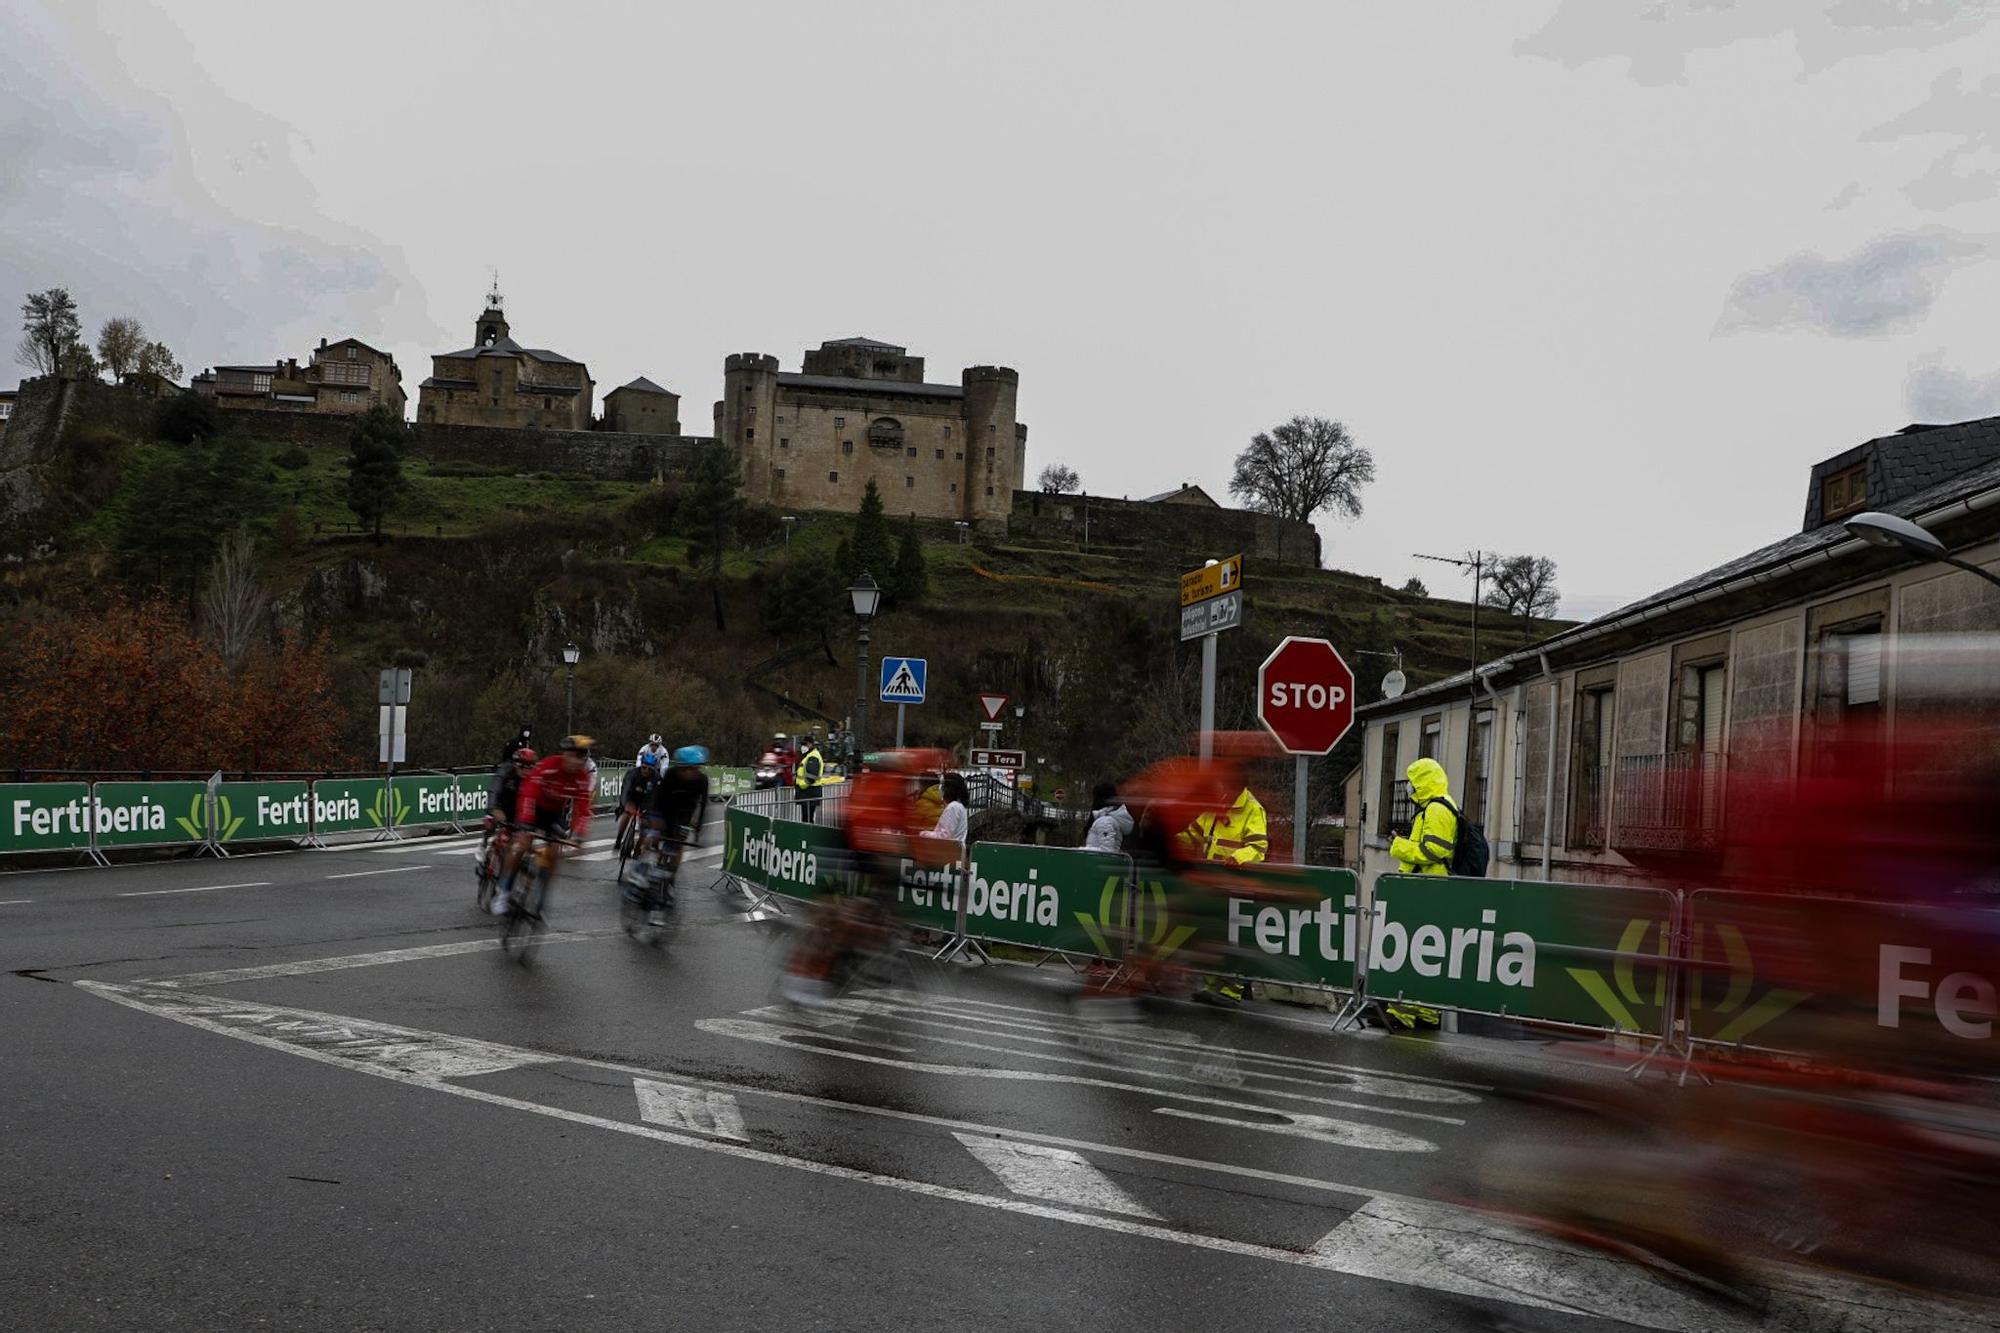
(903, 679)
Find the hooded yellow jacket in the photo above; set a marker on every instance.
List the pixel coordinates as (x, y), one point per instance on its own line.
(1434, 832)
(1237, 835)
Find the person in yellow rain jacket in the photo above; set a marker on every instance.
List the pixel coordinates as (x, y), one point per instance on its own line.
(1236, 836)
(1434, 832)
(1426, 850)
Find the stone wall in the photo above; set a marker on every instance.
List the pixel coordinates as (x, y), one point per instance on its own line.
(1188, 534)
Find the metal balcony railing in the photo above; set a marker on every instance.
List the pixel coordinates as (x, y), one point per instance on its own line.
(1587, 810)
(1668, 802)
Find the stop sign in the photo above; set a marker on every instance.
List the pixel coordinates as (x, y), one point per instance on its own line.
(1305, 695)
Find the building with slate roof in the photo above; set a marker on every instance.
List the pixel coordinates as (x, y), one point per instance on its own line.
(498, 382)
(859, 410)
(342, 378)
(643, 407)
(1607, 751)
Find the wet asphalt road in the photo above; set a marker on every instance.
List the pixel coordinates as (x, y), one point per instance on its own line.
(304, 1091)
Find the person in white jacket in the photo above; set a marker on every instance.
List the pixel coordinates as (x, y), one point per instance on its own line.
(1110, 821)
(952, 819)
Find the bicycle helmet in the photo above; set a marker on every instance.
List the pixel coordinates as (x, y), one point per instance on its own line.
(654, 739)
(525, 755)
(580, 744)
(696, 755)
(649, 759)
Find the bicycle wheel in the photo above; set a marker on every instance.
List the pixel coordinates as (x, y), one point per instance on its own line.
(523, 921)
(487, 874)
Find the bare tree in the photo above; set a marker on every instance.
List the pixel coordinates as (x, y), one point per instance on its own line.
(51, 332)
(121, 344)
(1304, 467)
(1525, 586)
(233, 602)
(1059, 479)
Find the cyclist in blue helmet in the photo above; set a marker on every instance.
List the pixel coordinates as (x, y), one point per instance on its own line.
(673, 823)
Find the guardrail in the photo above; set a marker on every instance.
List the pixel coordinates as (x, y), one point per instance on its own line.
(91, 818)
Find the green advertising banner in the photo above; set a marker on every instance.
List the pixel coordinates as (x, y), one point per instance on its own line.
(251, 811)
(1040, 897)
(352, 805)
(784, 856)
(731, 781)
(610, 784)
(44, 816)
(1566, 953)
(1835, 977)
(424, 798)
(1283, 923)
(149, 814)
(471, 797)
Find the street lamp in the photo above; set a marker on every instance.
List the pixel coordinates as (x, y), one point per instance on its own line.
(867, 596)
(1020, 726)
(788, 520)
(1878, 529)
(570, 654)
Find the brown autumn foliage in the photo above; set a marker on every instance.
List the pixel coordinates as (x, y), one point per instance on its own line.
(132, 686)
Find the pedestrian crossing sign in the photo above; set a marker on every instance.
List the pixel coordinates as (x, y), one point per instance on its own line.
(903, 679)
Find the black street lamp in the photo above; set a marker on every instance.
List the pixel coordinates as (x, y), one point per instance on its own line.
(570, 655)
(867, 597)
(1879, 529)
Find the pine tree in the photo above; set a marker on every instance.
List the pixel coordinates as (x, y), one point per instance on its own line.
(375, 468)
(909, 580)
(873, 551)
(709, 512)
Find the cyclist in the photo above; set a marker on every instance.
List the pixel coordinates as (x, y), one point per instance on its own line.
(554, 802)
(673, 822)
(638, 794)
(655, 749)
(500, 813)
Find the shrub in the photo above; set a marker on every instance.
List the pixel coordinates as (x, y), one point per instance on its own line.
(292, 459)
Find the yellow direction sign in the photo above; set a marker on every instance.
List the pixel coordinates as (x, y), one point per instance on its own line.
(1225, 576)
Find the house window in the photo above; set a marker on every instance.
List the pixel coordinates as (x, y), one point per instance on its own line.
(989, 490)
(947, 432)
(749, 433)
(1590, 767)
(954, 488)
(1843, 493)
(1478, 760)
(547, 403)
(260, 383)
(784, 441)
(1430, 741)
(833, 476)
(940, 454)
(847, 446)
(781, 418)
(1385, 789)
(885, 433)
(839, 422)
(991, 429)
(350, 354)
(911, 451)
(909, 482)
(780, 474)
(989, 453)
(959, 456)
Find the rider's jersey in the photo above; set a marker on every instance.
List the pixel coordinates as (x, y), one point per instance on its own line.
(680, 799)
(639, 784)
(548, 787)
(659, 753)
(508, 793)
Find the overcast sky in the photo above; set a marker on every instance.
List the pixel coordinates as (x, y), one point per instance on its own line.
(1596, 279)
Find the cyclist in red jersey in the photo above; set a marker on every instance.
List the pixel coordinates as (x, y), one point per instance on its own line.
(554, 803)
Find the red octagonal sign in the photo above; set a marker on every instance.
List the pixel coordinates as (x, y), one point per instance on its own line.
(1305, 695)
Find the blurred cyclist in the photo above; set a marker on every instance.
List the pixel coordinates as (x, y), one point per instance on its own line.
(554, 803)
(654, 749)
(674, 817)
(638, 793)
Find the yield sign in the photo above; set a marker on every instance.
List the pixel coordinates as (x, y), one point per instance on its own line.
(993, 705)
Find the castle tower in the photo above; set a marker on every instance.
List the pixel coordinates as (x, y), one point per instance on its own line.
(745, 421)
(994, 450)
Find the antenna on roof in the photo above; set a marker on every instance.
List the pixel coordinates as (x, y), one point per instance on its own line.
(493, 297)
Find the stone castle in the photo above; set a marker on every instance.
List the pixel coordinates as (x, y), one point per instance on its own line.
(859, 411)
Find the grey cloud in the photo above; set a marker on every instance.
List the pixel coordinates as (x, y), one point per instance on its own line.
(1656, 37)
(102, 196)
(1848, 194)
(1936, 392)
(1969, 117)
(1887, 284)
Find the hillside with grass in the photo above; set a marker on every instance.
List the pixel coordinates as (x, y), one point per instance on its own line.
(482, 576)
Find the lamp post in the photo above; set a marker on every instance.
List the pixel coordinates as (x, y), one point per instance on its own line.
(1021, 726)
(867, 596)
(788, 520)
(1878, 529)
(570, 654)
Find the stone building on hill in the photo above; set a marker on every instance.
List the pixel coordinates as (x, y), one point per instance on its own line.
(344, 378)
(498, 382)
(643, 407)
(858, 410)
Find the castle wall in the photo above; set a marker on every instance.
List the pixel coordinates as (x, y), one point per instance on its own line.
(1183, 535)
(823, 457)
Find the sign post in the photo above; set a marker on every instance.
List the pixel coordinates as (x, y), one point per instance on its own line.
(903, 681)
(1211, 601)
(392, 695)
(1305, 699)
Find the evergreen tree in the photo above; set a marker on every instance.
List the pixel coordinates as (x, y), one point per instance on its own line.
(873, 552)
(802, 596)
(909, 580)
(375, 468)
(709, 512)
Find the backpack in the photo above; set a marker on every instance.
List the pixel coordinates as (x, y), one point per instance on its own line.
(1470, 853)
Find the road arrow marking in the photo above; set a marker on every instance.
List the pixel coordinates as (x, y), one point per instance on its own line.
(698, 1110)
(1055, 1174)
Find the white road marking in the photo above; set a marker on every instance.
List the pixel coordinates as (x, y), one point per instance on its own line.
(391, 870)
(455, 842)
(206, 888)
(695, 1109)
(1055, 1174)
(1297, 1124)
(1369, 1136)
(14, 902)
(1805, 1297)
(307, 966)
